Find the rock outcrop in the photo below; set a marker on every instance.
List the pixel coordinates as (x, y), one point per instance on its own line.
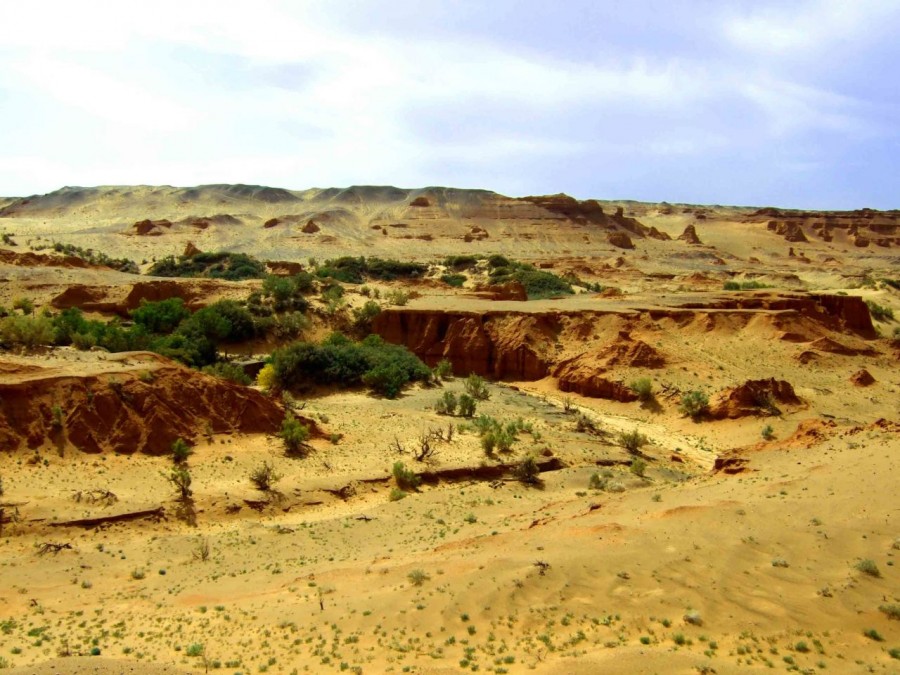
(690, 235)
(126, 412)
(619, 239)
(753, 397)
(862, 378)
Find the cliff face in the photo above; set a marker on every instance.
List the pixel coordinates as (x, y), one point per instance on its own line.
(127, 413)
(498, 345)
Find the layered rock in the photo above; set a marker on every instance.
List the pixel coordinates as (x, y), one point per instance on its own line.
(753, 397)
(126, 412)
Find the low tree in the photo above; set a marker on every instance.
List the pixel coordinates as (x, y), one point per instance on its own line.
(181, 451)
(642, 388)
(406, 478)
(180, 477)
(264, 477)
(466, 406)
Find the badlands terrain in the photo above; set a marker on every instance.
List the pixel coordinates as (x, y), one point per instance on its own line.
(694, 414)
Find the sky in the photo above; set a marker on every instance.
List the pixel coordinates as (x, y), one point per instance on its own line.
(793, 103)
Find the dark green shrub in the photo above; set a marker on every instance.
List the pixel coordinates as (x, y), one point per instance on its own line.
(466, 405)
(878, 312)
(220, 265)
(642, 388)
(363, 316)
(743, 285)
(528, 472)
(443, 370)
(461, 262)
(160, 317)
(476, 387)
(455, 280)
(406, 478)
(228, 371)
(294, 434)
(181, 451)
(27, 332)
(694, 404)
(446, 405)
(632, 441)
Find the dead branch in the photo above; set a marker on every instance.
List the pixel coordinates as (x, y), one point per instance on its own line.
(50, 547)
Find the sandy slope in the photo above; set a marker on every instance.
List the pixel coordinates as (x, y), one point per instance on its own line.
(684, 571)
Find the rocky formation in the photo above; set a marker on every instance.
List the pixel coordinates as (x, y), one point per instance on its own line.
(283, 268)
(862, 378)
(577, 377)
(108, 300)
(311, 227)
(753, 397)
(40, 260)
(512, 290)
(690, 235)
(619, 239)
(190, 250)
(151, 228)
(420, 202)
(499, 345)
(126, 412)
(271, 222)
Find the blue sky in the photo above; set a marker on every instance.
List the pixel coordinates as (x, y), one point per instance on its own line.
(791, 104)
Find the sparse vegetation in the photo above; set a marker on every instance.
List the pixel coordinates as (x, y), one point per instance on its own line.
(417, 577)
(768, 432)
(744, 285)
(868, 567)
(406, 479)
(295, 435)
(633, 441)
(476, 387)
(642, 388)
(264, 477)
(879, 312)
(220, 265)
(694, 404)
(181, 451)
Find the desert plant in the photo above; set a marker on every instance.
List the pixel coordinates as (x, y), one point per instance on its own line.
(264, 477)
(633, 441)
(642, 388)
(180, 477)
(476, 387)
(868, 567)
(24, 305)
(466, 406)
(768, 432)
(294, 434)
(878, 312)
(57, 421)
(891, 611)
(397, 494)
(406, 478)
(417, 577)
(397, 297)
(228, 371)
(446, 405)
(873, 634)
(443, 370)
(181, 451)
(201, 550)
(26, 332)
(638, 467)
(694, 404)
(266, 378)
(528, 471)
(598, 482)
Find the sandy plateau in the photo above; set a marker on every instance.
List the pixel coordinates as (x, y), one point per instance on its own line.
(762, 535)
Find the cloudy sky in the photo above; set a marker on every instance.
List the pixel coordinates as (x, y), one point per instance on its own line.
(792, 103)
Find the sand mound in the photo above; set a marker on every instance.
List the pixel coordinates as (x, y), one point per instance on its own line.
(140, 410)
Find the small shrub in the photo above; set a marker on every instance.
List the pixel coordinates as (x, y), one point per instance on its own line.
(446, 405)
(406, 478)
(476, 387)
(868, 567)
(455, 280)
(397, 494)
(195, 649)
(694, 404)
(597, 482)
(264, 477)
(138, 573)
(181, 451)
(228, 371)
(880, 313)
(417, 577)
(397, 297)
(642, 388)
(265, 379)
(466, 406)
(528, 471)
(27, 332)
(444, 369)
(873, 634)
(638, 467)
(891, 611)
(768, 432)
(632, 441)
(294, 434)
(180, 477)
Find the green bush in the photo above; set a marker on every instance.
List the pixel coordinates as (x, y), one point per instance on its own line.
(638, 467)
(406, 478)
(160, 317)
(264, 477)
(181, 451)
(363, 317)
(294, 434)
(868, 567)
(455, 280)
(694, 404)
(27, 332)
(466, 406)
(642, 388)
(632, 441)
(228, 371)
(443, 370)
(528, 472)
(352, 270)
(460, 262)
(538, 283)
(97, 258)
(446, 405)
(476, 387)
(220, 265)
(878, 312)
(383, 367)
